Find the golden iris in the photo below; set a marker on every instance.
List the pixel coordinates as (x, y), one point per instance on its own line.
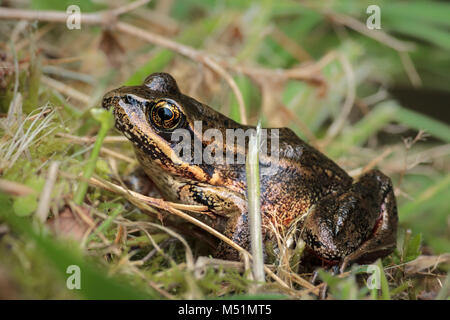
(165, 115)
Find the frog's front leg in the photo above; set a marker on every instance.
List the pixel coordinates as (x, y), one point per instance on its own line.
(357, 225)
(231, 209)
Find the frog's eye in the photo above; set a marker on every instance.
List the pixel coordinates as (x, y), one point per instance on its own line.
(165, 115)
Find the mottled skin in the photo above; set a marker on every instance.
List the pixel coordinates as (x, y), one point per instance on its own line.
(339, 219)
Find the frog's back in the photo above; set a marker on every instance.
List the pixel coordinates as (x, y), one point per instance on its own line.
(303, 176)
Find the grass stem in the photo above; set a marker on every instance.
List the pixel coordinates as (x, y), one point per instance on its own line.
(254, 205)
(106, 122)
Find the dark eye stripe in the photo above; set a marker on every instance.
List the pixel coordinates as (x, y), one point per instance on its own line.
(131, 100)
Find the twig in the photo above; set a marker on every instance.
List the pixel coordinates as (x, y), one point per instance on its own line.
(76, 139)
(129, 7)
(299, 280)
(14, 188)
(65, 73)
(309, 73)
(190, 53)
(189, 255)
(410, 69)
(36, 36)
(162, 292)
(338, 124)
(161, 204)
(303, 127)
(360, 171)
(103, 150)
(377, 35)
(65, 89)
(163, 22)
(108, 19)
(44, 200)
(377, 160)
(112, 153)
(65, 60)
(80, 211)
(290, 45)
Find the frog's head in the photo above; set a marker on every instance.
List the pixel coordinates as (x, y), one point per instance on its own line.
(149, 114)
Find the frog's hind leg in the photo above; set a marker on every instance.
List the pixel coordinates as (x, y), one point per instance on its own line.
(383, 238)
(369, 252)
(357, 225)
(238, 231)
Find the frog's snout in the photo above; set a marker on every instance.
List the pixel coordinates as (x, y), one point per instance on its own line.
(108, 100)
(105, 104)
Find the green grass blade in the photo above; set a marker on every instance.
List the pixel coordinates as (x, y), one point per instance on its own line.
(418, 11)
(380, 116)
(414, 208)
(104, 226)
(106, 122)
(366, 127)
(419, 121)
(156, 63)
(385, 293)
(193, 35)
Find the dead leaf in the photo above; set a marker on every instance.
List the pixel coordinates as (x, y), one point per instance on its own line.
(425, 262)
(68, 225)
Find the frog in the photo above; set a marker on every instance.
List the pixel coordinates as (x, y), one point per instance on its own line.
(340, 219)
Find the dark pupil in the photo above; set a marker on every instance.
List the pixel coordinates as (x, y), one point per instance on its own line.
(165, 113)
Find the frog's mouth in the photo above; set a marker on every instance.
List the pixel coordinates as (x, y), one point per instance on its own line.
(380, 219)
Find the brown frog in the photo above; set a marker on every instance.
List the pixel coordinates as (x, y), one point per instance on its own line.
(340, 220)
